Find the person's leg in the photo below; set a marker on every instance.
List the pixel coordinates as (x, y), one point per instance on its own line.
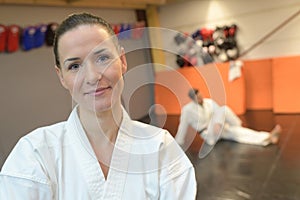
(249, 136)
(213, 133)
(180, 136)
(210, 136)
(221, 116)
(275, 134)
(224, 114)
(231, 118)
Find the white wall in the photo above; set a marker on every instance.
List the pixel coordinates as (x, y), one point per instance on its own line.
(31, 95)
(255, 19)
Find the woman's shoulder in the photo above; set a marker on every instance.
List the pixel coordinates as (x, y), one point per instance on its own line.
(32, 149)
(53, 130)
(139, 129)
(151, 137)
(50, 135)
(148, 130)
(143, 125)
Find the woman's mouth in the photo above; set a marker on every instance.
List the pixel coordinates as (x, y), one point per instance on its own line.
(98, 92)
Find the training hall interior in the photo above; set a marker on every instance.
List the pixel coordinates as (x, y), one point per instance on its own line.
(249, 60)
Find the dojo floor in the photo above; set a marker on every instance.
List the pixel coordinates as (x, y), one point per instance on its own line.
(233, 171)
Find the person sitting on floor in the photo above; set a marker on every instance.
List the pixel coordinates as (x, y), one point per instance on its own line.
(214, 122)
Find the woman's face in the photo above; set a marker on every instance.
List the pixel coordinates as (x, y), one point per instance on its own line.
(91, 67)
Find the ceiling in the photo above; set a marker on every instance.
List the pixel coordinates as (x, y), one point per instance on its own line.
(132, 4)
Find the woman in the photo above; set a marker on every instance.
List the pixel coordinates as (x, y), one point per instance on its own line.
(99, 152)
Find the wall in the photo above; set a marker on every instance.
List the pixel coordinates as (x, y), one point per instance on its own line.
(31, 95)
(211, 80)
(255, 19)
(263, 84)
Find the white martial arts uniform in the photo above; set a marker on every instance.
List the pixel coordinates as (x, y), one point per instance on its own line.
(57, 162)
(203, 117)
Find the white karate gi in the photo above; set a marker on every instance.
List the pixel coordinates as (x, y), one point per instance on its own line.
(202, 119)
(57, 162)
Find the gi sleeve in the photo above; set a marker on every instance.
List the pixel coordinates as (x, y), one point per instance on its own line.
(182, 128)
(181, 187)
(177, 178)
(22, 176)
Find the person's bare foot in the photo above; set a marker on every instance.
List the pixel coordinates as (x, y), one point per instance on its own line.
(275, 133)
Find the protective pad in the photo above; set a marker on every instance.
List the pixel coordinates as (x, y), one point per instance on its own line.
(39, 36)
(13, 38)
(3, 37)
(50, 33)
(28, 41)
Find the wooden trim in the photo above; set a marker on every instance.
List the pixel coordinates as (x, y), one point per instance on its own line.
(158, 55)
(123, 4)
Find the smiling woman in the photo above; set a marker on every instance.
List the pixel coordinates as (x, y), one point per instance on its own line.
(99, 152)
(93, 70)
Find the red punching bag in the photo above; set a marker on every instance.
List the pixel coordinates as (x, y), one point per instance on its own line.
(3, 37)
(13, 38)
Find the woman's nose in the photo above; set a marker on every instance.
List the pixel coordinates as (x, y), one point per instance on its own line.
(92, 75)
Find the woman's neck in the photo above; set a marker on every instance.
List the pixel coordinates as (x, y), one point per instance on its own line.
(102, 125)
(102, 129)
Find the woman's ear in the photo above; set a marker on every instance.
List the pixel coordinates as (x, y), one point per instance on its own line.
(60, 76)
(123, 60)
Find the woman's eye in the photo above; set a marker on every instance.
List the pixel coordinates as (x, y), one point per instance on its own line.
(103, 58)
(74, 66)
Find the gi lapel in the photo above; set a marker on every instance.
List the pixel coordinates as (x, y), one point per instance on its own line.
(116, 179)
(88, 163)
